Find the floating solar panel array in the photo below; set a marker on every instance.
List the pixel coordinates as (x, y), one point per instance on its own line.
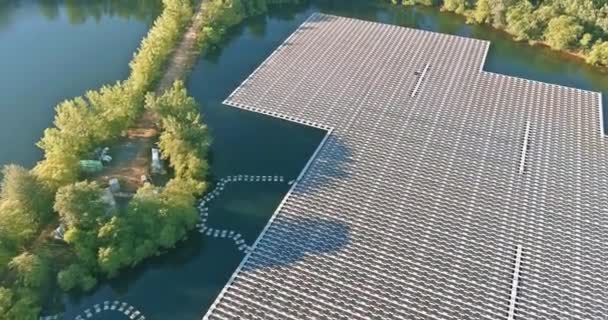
(442, 191)
(203, 207)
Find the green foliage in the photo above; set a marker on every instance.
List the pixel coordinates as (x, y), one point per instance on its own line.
(84, 123)
(146, 66)
(219, 15)
(255, 7)
(75, 276)
(585, 41)
(6, 300)
(6, 254)
(482, 12)
(17, 227)
(85, 244)
(81, 124)
(159, 217)
(156, 219)
(522, 23)
(82, 210)
(562, 32)
(80, 205)
(569, 25)
(25, 308)
(21, 212)
(457, 6)
(21, 305)
(19, 185)
(31, 271)
(599, 54)
(184, 140)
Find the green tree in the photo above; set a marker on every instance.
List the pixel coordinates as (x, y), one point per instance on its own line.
(75, 276)
(6, 301)
(482, 12)
(20, 211)
(522, 22)
(30, 270)
(80, 205)
(457, 6)
(498, 10)
(26, 307)
(22, 187)
(562, 32)
(17, 227)
(184, 140)
(599, 54)
(586, 41)
(6, 254)
(85, 244)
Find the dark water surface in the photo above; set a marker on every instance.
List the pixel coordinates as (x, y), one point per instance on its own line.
(51, 50)
(183, 283)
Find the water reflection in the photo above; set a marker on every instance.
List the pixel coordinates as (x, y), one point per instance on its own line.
(190, 276)
(80, 11)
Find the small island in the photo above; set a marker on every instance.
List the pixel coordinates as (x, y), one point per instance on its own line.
(123, 167)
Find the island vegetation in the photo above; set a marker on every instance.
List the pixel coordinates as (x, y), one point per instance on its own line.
(579, 27)
(100, 240)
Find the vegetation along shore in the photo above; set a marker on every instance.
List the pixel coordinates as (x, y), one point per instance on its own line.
(577, 27)
(100, 238)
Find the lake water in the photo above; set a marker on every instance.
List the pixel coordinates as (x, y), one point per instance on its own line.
(52, 50)
(66, 58)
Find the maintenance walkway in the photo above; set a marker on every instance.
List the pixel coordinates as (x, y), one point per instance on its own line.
(462, 194)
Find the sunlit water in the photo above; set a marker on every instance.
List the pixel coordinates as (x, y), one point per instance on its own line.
(69, 58)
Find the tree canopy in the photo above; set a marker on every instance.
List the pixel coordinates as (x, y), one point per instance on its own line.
(562, 32)
(579, 26)
(102, 240)
(80, 205)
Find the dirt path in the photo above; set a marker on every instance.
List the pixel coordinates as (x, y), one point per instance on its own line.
(184, 55)
(131, 157)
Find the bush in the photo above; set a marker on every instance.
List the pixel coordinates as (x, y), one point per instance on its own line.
(99, 117)
(221, 15)
(156, 219)
(184, 140)
(80, 205)
(156, 48)
(75, 276)
(21, 213)
(562, 32)
(31, 271)
(599, 54)
(81, 124)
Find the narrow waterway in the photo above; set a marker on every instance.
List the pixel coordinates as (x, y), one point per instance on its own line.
(183, 283)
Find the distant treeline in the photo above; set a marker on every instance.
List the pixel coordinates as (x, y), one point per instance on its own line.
(575, 26)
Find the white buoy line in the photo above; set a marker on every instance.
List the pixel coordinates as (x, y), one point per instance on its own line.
(107, 306)
(134, 314)
(203, 209)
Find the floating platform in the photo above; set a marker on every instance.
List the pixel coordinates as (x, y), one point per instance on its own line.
(441, 191)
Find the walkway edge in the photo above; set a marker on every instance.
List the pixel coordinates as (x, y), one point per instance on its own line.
(261, 235)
